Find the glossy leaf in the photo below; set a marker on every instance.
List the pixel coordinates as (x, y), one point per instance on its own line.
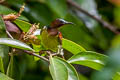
(15, 43)
(4, 77)
(71, 46)
(59, 67)
(58, 70)
(1, 65)
(72, 74)
(90, 59)
(23, 25)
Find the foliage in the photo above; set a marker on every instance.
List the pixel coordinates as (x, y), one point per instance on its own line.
(86, 42)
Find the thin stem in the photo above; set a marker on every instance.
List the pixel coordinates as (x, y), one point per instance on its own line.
(1, 1)
(34, 54)
(103, 22)
(21, 10)
(8, 33)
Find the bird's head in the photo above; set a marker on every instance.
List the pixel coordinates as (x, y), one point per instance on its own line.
(53, 28)
(58, 23)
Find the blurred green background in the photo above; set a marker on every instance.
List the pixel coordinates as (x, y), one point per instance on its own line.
(86, 31)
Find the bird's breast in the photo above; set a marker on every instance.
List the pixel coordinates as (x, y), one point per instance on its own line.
(49, 42)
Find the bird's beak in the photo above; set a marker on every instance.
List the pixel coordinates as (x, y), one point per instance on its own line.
(65, 23)
(68, 22)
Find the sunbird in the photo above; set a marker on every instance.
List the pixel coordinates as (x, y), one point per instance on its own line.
(51, 36)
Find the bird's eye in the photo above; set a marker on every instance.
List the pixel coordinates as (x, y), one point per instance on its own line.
(62, 21)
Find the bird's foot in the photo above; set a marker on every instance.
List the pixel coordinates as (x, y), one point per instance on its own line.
(60, 51)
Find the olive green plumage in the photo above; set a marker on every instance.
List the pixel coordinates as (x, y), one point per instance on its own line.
(49, 42)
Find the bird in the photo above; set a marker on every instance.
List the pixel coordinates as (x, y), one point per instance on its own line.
(51, 37)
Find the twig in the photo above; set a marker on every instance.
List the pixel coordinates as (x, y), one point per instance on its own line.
(34, 54)
(1, 1)
(8, 33)
(103, 22)
(21, 10)
(12, 16)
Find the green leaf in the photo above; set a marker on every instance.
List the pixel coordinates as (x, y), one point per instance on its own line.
(71, 46)
(13, 70)
(90, 59)
(1, 65)
(72, 74)
(23, 25)
(117, 76)
(4, 77)
(58, 6)
(58, 70)
(58, 65)
(15, 43)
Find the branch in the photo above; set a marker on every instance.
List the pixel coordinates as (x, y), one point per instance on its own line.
(8, 33)
(1, 1)
(34, 54)
(12, 16)
(101, 21)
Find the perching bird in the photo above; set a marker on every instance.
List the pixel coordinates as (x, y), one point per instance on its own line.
(51, 36)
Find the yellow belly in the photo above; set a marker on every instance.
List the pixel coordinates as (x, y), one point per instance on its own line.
(49, 42)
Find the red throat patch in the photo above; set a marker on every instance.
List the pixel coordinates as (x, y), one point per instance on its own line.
(60, 35)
